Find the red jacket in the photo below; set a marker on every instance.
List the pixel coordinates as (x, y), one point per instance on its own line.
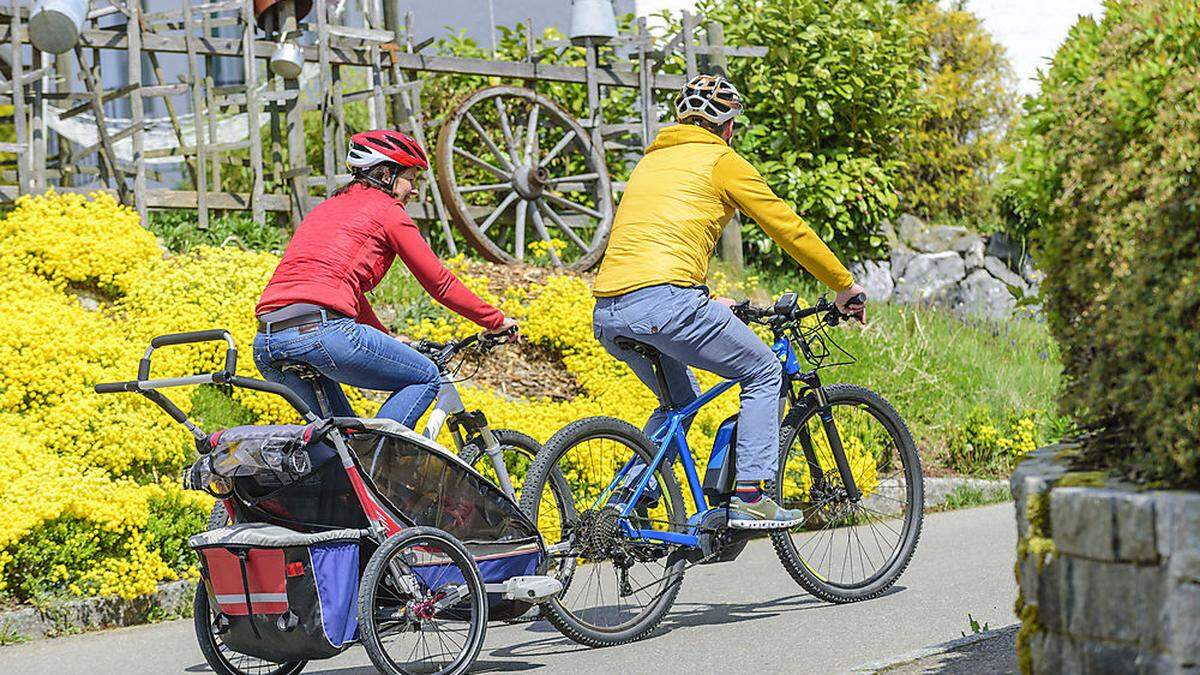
(344, 247)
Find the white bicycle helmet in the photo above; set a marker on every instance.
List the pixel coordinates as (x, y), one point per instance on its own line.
(710, 97)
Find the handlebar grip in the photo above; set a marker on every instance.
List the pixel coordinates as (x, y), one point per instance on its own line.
(115, 387)
(860, 299)
(209, 335)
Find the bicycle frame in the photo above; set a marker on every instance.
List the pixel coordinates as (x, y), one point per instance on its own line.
(450, 407)
(672, 432)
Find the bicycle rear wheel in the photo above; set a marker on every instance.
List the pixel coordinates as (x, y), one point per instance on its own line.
(615, 590)
(848, 550)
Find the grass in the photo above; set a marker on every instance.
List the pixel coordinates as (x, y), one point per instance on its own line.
(966, 497)
(935, 368)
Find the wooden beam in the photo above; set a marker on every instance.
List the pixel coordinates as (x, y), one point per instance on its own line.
(607, 77)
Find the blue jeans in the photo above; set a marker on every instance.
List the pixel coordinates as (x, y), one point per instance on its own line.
(689, 329)
(354, 354)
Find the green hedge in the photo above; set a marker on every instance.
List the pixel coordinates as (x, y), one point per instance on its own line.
(1111, 173)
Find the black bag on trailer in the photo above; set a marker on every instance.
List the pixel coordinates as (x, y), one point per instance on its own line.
(282, 474)
(282, 595)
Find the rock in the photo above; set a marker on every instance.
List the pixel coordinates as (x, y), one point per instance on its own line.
(930, 277)
(888, 232)
(982, 295)
(876, 277)
(973, 255)
(1135, 528)
(998, 269)
(91, 300)
(1082, 522)
(909, 228)
(1000, 246)
(901, 254)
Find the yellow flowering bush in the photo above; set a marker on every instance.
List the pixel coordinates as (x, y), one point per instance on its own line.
(987, 445)
(91, 482)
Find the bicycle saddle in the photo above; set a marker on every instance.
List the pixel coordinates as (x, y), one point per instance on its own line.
(639, 347)
(302, 370)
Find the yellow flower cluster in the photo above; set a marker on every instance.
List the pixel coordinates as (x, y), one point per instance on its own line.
(83, 288)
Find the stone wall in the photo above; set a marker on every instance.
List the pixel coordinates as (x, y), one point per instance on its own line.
(952, 267)
(1109, 576)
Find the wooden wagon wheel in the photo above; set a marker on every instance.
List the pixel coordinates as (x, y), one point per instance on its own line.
(509, 159)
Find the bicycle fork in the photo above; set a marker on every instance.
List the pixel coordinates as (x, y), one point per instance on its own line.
(825, 412)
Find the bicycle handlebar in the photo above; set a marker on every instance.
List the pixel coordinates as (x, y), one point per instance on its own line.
(441, 352)
(749, 313)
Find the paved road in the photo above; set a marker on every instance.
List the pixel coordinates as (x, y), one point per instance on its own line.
(745, 616)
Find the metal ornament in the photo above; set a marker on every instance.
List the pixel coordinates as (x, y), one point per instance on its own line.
(287, 60)
(54, 25)
(592, 20)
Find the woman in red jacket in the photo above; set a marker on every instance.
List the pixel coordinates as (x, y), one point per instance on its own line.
(314, 309)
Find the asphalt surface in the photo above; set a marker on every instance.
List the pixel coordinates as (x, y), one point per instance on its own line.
(743, 616)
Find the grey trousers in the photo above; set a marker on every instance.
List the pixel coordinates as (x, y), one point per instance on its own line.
(692, 330)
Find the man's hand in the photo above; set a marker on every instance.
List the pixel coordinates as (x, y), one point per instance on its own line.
(728, 302)
(852, 302)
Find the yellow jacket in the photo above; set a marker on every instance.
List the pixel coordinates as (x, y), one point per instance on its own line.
(677, 201)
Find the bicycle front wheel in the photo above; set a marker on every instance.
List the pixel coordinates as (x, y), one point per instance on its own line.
(848, 549)
(615, 589)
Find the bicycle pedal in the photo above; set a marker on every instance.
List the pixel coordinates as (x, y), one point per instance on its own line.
(764, 524)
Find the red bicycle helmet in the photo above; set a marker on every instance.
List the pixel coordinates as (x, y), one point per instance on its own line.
(382, 145)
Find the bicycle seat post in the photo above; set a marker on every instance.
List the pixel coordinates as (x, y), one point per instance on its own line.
(654, 357)
(313, 377)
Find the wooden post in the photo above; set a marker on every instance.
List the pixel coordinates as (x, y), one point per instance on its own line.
(209, 98)
(63, 75)
(250, 65)
(731, 237)
(391, 23)
(592, 51)
(327, 121)
(133, 30)
(689, 48)
(645, 92)
(197, 118)
(297, 161)
(18, 98)
(374, 16)
(38, 128)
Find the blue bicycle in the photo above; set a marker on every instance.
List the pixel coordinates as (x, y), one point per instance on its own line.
(613, 513)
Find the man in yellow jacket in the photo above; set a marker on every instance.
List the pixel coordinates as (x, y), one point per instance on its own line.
(651, 284)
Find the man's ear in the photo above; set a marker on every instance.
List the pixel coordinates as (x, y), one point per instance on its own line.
(727, 130)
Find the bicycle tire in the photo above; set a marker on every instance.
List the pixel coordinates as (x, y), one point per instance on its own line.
(547, 461)
(201, 621)
(453, 549)
(784, 546)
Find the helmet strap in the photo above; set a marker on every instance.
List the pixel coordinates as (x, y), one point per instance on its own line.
(369, 178)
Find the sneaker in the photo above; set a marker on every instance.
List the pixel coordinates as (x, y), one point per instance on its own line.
(763, 514)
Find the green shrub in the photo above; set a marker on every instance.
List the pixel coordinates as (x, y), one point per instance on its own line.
(179, 232)
(1115, 186)
(48, 560)
(826, 110)
(174, 517)
(954, 150)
